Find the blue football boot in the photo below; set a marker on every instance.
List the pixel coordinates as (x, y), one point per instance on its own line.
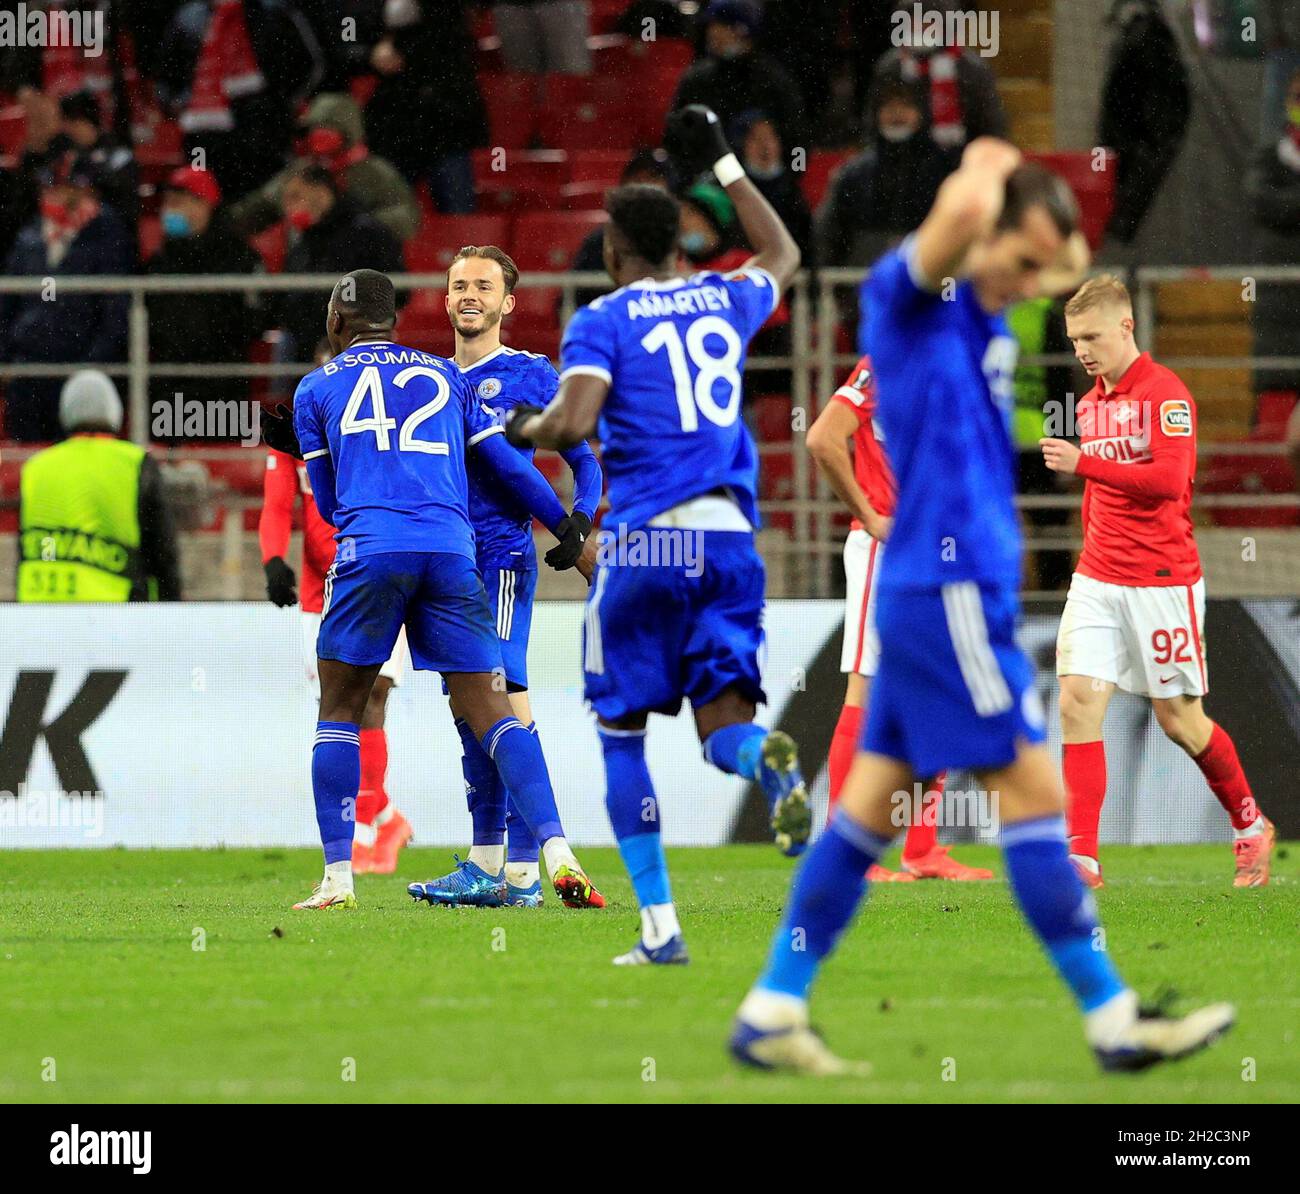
(783, 782)
(469, 885)
(524, 897)
(671, 953)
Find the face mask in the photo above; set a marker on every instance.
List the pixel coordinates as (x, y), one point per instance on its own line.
(301, 219)
(695, 245)
(176, 224)
(896, 134)
(765, 173)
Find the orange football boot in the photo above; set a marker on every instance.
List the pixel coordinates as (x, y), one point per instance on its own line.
(939, 864)
(390, 837)
(881, 874)
(1253, 856)
(363, 858)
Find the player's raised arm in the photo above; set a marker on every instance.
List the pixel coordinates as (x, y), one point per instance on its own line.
(967, 207)
(694, 140)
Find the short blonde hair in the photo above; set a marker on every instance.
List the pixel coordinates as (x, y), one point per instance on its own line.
(1104, 290)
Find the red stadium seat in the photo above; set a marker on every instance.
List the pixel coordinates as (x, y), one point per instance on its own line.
(1093, 187)
(526, 178)
(511, 101)
(605, 12)
(591, 112)
(548, 240)
(597, 165)
(13, 130)
(822, 163)
(272, 244)
(584, 196)
(435, 244)
(611, 54)
(658, 66)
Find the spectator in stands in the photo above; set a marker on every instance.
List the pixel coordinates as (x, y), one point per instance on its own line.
(332, 236)
(647, 167)
(93, 518)
(194, 327)
(768, 167)
(959, 92)
(878, 197)
(544, 36)
(233, 73)
(75, 234)
(81, 130)
(1273, 191)
(427, 113)
(734, 77)
(1145, 108)
(332, 135)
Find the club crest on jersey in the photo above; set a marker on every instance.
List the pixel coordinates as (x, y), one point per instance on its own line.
(1176, 417)
(489, 388)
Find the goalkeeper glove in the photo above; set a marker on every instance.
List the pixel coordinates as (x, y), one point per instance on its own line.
(572, 535)
(280, 582)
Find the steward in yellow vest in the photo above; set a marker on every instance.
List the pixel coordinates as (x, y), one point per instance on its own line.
(93, 525)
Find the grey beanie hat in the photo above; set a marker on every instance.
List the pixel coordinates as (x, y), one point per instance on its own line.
(89, 398)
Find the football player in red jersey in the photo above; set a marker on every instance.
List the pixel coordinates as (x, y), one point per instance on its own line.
(865, 483)
(1134, 618)
(381, 830)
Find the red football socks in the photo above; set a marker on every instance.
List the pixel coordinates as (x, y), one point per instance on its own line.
(1084, 764)
(1222, 770)
(371, 797)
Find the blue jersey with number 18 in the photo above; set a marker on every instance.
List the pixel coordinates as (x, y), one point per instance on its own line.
(395, 423)
(673, 353)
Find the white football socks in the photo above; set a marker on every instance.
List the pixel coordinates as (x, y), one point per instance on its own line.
(556, 852)
(773, 1009)
(339, 873)
(488, 858)
(1254, 829)
(659, 924)
(1105, 1026)
(522, 874)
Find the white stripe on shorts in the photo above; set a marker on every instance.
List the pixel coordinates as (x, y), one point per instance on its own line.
(970, 639)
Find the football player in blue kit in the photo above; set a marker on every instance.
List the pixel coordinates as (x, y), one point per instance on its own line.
(676, 608)
(384, 430)
(502, 865)
(953, 689)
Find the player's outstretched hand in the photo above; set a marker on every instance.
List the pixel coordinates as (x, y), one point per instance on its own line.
(278, 432)
(1060, 455)
(694, 139)
(281, 584)
(514, 421)
(572, 534)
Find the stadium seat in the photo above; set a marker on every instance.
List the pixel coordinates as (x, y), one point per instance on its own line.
(435, 244)
(657, 68)
(591, 112)
(584, 196)
(597, 165)
(605, 12)
(1094, 189)
(13, 130)
(822, 163)
(611, 54)
(511, 100)
(548, 240)
(528, 178)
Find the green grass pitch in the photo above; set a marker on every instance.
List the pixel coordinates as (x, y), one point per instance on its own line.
(100, 972)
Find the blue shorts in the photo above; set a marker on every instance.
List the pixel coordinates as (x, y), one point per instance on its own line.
(655, 633)
(510, 594)
(953, 688)
(437, 595)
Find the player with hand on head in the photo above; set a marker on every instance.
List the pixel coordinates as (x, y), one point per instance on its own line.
(384, 430)
(502, 864)
(381, 830)
(953, 689)
(865, 484)
(1135, 615)
(655, 367)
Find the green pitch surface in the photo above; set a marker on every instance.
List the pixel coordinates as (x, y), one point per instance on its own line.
(101, 971)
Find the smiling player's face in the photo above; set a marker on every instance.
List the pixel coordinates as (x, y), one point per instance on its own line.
(476, 296)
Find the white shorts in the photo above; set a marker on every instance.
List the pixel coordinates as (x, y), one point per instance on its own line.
(862, 557)
(1148, 640)
(394, 669)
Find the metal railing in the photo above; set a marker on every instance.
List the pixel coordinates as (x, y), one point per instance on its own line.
(815, 365)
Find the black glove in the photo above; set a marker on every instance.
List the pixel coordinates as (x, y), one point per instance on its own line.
(514, 420)
(694, 139)
(572, 535)
(278, 432)
(281, 584)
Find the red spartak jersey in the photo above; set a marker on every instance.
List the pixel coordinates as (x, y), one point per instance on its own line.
(870, 465)
(1139, 462)
(284, 481)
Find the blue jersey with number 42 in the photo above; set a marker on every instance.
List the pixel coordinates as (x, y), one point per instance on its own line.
(395, 423)
(673, 353)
